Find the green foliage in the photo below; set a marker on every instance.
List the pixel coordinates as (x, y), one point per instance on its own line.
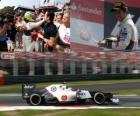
(7, 10)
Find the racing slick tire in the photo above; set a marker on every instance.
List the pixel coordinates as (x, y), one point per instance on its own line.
(34, 99)
(99, 98)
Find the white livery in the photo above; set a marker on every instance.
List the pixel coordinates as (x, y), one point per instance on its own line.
(60, 93)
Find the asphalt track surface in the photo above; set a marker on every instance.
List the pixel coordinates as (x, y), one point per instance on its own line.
(125, 101)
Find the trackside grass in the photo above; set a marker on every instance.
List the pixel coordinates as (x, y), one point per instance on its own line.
(90, 112)
(75, 83)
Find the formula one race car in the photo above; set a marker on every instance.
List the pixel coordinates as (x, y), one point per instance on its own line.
(60, 93)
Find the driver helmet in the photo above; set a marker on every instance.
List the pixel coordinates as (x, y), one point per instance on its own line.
(28, 16)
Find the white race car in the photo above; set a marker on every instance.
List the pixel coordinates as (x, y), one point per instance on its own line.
(60, 93)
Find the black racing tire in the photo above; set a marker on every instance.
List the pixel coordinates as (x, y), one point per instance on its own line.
(99, 98)
(34, 99)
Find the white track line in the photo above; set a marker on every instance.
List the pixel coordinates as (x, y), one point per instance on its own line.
(13, 108)
(127, 96)
(130, 95)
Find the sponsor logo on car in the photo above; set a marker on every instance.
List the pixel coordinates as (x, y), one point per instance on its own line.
(64, 97)
(53, 89)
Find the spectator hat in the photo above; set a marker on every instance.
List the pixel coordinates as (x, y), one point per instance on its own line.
(119, 6)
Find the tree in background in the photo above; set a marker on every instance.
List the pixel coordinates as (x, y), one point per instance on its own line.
(7, 10)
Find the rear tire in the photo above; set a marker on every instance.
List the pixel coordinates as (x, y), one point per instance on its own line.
(35, 99)
(99, 98)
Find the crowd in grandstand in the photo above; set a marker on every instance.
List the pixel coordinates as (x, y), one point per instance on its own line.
(38, 31)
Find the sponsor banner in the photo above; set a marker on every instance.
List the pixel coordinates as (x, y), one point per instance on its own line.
(7, 55)
(57, 3)
(89, 10)
(87, 24)
(86, 33)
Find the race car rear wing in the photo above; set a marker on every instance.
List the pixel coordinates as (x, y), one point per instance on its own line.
(27, 90)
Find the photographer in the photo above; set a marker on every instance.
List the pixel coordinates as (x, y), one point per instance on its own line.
(4, 26)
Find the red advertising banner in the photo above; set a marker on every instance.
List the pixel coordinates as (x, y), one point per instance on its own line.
(89, 10)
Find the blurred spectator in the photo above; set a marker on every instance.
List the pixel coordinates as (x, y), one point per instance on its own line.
(64, 33)
(11, 34)
(4, 26)
(40, 15)
(50, 31)
(19, 24)
(58, 20)
(36, 40)
(66, 8)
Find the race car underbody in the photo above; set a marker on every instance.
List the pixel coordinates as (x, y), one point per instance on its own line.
(60, 93)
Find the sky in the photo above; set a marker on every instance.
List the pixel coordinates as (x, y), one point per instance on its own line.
(27, 3)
